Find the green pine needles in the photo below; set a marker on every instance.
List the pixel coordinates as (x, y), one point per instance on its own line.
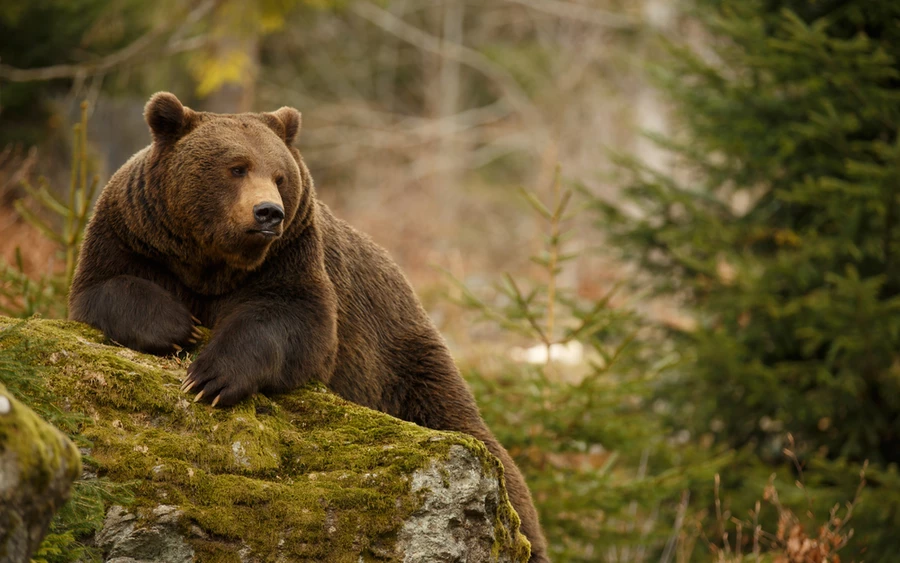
(777, 230)
(597, 459)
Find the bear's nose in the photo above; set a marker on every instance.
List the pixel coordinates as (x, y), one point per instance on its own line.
(268, 214)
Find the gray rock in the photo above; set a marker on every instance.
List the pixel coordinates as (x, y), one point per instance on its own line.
(456, 520)
(158, 540)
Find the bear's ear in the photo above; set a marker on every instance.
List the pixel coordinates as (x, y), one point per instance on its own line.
(167, 118)
(289, 119)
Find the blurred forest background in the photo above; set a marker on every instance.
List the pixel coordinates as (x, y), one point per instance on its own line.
(660, 237)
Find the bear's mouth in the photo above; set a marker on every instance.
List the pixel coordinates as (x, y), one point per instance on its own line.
(265, 233)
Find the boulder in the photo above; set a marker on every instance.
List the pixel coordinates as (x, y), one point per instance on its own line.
(38, 464)
(304, 476)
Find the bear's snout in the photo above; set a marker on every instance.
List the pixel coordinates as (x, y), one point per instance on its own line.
(259, 211)
(268, 215)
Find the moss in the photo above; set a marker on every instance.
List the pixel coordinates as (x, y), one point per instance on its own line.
(45, 462)
(36, 445)
(304, 476)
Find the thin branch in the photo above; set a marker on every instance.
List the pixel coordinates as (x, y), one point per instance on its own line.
(138, 49)
(580, 12)
(672, 542)
(469, 57)
(525, 307)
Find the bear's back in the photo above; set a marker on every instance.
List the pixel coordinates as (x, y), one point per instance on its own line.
(382, 328)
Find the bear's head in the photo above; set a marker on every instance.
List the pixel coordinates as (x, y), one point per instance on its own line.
(229, 184)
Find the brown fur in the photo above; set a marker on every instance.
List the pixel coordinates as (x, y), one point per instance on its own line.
(169, 241)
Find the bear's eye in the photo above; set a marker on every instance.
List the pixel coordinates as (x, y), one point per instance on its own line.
(239, 171)
(279, 180)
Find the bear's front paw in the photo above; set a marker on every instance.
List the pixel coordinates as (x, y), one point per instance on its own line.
(139, 314)
(168, 333)
(214, 379)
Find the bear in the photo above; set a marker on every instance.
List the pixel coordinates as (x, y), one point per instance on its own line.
(217, 223)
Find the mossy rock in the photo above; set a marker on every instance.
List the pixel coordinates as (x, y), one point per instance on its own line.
(37, 467)
(304, 476)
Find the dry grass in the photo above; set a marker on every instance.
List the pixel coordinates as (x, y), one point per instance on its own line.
(38, 253)
(796, 539)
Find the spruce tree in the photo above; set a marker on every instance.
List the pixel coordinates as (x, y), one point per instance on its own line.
(778, 229)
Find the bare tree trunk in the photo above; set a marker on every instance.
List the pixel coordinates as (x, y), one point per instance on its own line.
(386, 81)
(443, 89)
(450, 160)
(650, 111)
(237, 39)
(237, 97)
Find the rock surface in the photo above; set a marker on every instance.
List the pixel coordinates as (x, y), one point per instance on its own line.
(300, 477)
(454, 522)
(37, 467)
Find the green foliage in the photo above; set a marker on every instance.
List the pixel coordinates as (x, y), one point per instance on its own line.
(778, 233)
(604, 475)
(38, 33)
(23, 296)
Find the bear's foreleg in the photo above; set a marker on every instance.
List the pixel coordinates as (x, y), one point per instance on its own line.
(265, 345)
(136, 313)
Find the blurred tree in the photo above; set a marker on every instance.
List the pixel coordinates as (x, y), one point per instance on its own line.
(577, 414)
(777, 229)
(39, 33)
(69, 44)
(227, 68)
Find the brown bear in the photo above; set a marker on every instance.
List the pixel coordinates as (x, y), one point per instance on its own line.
(217, 223)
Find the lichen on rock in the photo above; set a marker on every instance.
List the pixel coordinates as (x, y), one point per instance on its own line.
(305, 476)
(37, 467)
